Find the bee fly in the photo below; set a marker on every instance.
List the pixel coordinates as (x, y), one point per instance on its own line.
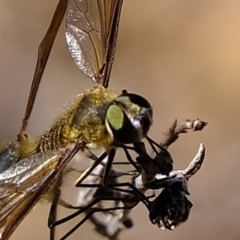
(98, 118)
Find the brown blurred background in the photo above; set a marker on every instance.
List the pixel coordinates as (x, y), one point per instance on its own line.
(184, 56)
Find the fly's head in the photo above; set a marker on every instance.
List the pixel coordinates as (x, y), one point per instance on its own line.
(128, 118)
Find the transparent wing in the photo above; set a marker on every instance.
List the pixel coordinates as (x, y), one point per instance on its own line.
(9, 155)
(91, 33)
(44, 50)
(23, 184)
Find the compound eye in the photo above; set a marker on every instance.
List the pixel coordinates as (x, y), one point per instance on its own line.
(129, 118)
(138, 100)
(115, 117)
(120, 127)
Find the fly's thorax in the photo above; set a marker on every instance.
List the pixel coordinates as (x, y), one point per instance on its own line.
(88, 120)
(129, 118)
(83, 121)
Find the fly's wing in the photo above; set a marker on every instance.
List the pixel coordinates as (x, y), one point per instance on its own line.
(91, 34)
(9, 155)
(23, 184)
(44, 50)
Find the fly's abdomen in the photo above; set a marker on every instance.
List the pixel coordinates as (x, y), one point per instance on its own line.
(54, 138)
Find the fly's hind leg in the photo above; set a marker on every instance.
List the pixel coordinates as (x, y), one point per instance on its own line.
(52, 217)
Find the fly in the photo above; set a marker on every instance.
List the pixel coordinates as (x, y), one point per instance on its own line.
(98, 118)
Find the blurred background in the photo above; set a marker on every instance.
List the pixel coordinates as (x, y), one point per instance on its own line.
(184, 56)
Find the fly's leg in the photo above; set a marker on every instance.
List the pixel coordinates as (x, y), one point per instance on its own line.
(89, 206)
(108, 166)
(129, 158)
(52, 217)
(134, 191)
(152, 143)
(90, 211)
(90, 169)
(94, 210)
(115, 187)
(108, 174)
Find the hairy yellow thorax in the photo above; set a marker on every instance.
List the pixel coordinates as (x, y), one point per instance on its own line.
(83, 121)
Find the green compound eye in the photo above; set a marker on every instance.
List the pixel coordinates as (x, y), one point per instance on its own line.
(128, 118)
(119, 126)
(115, 117)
